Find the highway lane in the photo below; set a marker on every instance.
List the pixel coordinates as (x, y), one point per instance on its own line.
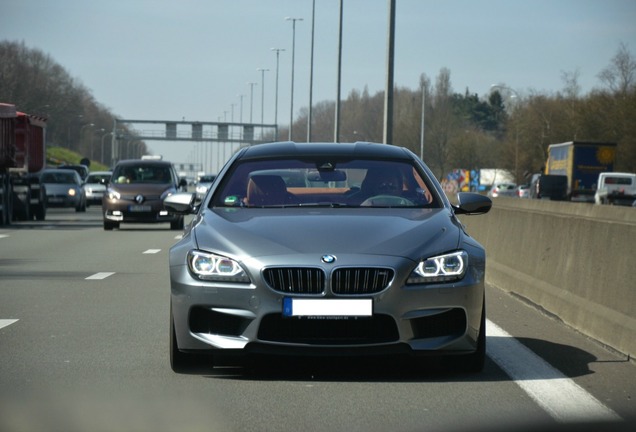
(82, 353)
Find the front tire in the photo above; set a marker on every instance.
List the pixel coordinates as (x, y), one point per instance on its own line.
(108, 225)
(178, 224)
(39, 212)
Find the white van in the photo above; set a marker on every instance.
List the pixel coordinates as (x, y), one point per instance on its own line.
(615, 188)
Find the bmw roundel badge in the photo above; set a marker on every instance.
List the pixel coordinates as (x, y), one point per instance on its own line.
(328, 259)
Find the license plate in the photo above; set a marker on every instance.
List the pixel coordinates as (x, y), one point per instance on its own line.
(139, 208)
(299, 307)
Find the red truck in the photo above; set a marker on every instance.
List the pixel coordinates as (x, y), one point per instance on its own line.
(22, 158)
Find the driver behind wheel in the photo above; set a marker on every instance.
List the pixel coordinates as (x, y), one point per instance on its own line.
(380, 181)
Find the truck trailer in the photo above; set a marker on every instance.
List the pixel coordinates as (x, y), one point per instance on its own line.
(581, 162)
(22, 158)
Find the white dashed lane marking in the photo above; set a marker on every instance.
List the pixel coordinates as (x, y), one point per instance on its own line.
(6, 322)
(104, 275)
(100, 276)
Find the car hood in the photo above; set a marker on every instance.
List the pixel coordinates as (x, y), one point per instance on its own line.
(95, 186)
(141, 188)
(59, 187)
(409, 233)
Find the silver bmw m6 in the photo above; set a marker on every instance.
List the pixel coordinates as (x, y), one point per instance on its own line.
(330, 248)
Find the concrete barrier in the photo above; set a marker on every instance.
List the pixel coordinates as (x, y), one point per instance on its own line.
(575, 260)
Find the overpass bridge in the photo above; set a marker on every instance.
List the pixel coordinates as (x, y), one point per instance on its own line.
(126, 131)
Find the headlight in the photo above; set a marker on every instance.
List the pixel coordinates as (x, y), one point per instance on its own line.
(72, 192)
(113, 194)
(208, 266)
(442, 268)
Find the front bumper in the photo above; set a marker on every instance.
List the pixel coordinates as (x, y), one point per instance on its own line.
(94, 196)
(150, 211)
(59, 200)
(416, 319)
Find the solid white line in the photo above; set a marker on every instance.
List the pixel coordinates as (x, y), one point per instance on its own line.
(152, 251)
(558, 395)
(4, 235)
(100, 276)
(6, 322)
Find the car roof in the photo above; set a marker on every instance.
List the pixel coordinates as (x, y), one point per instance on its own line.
(59, 170)
(143, 162)
(62, 171)
(67, 166)
(357, 149)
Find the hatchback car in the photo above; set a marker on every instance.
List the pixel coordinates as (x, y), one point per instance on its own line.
(503, 189)
(523, 191)
(95, 186)
(203, 184)
(367, 256)
(63, 189)
(136, 192)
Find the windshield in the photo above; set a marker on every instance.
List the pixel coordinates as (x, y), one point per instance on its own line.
(97, 178)
(58, 177)
(300, 183)
(127, 174)
(618, 180)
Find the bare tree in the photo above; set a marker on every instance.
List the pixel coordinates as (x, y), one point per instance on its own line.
(620, 75)
(572, 87)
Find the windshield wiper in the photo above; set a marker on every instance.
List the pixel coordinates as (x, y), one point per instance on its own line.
(325, 204)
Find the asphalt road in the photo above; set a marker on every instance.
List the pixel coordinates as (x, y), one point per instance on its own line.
(84, 346)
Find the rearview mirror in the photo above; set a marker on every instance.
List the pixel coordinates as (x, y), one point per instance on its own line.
(326, 176)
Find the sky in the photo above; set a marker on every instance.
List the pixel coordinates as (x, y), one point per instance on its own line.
(192, 59)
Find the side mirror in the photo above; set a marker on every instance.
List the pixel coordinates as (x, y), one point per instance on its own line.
(180, 203)
(469, 203)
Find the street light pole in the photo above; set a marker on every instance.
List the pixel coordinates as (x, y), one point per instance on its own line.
(422, 118)
(262, 71)
(278, 50)
(101, 159)
(241, 108)
(336, 131)
(92, 139)
(388, 93)
(291, 108)
(81, 131)
(311, 71)
(251, 84)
